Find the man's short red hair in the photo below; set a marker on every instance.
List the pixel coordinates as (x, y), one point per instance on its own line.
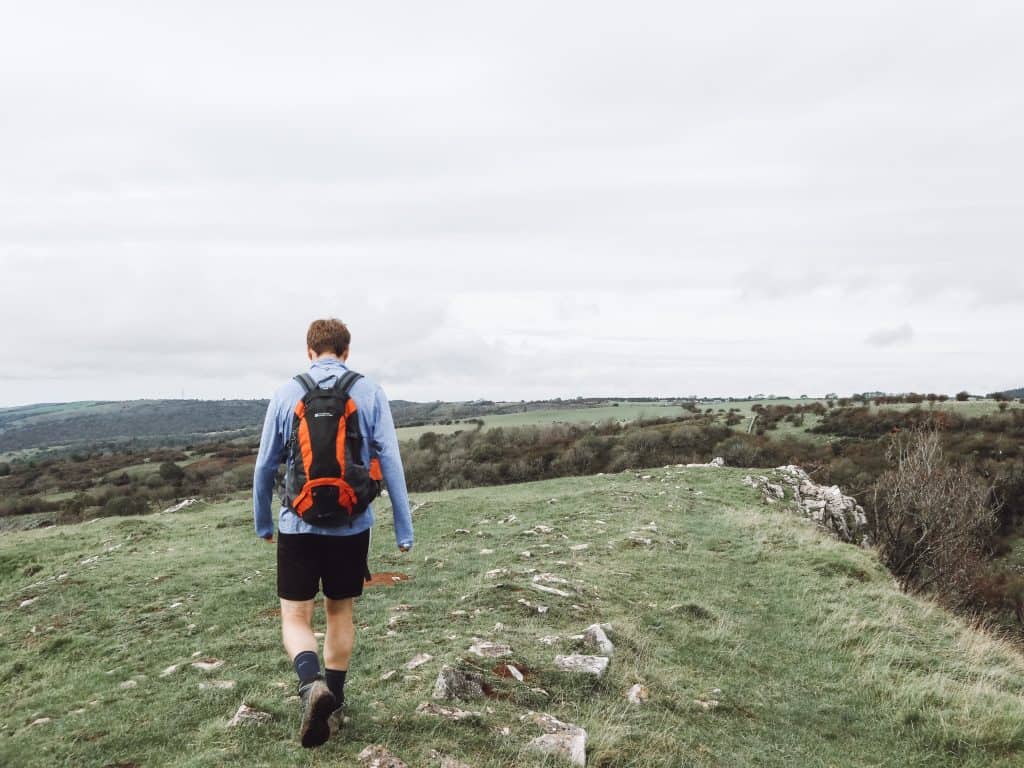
(330, 335)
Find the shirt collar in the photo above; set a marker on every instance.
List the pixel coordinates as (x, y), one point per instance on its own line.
(327, 363)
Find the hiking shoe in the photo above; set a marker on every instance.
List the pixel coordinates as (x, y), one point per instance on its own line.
(336, 720)
(317, 705)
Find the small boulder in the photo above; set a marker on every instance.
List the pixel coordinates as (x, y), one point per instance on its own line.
(589, 665)
(378, 756)
(638, 694)
(418, 660)
(489, 650)
(247, 714)
(448, 713)
(595, 636)
(455, 683)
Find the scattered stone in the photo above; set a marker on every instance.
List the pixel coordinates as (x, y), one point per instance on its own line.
(454, 683)
(208, 665)
(706, 704)
(402, 608)
(378, 756)
(550, 590)
(718, 461)
(514, 671)
(526, 554)
(579, 547)
(247, 714)
(129, 684)
(549, 578)
(651, 526)
(577, 662)
(389, 674)
(170, 670)
(217, 685)
(541, 609)
(510, 519)
(595, 636)
(489, 650)
(197, 654)
(645, 477)
(27, 602)
(561, 739)
(449, 713)
(486, 551)
(176, 605)
(497, 572)
(41, 721)
(462, 530)
(549, 639)
(542, 529)
(638, 540)
(638, 694)
(448, 762)
(77, 711)
(418, 660)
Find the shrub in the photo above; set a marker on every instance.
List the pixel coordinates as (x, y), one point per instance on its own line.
(171, 472)
(5, 469)
(931, 521)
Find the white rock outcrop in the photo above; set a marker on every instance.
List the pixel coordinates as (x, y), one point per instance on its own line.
(826, 505)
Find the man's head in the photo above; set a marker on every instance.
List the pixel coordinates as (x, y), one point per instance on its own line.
(327, 337)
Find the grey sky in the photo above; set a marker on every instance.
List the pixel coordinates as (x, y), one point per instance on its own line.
(511, 200)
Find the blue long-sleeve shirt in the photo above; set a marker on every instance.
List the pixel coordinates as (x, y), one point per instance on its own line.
(375, 424)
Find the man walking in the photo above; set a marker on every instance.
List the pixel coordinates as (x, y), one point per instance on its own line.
(324, 525)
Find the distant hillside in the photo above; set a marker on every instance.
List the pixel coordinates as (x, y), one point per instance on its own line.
(1012, 393)
(49, 425)
(70, 424)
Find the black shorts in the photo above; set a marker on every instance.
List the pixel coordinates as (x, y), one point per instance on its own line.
(304, 559)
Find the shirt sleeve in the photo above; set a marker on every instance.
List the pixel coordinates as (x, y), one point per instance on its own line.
(385, 442)
(271, 453)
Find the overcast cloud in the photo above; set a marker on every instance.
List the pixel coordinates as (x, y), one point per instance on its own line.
(512, 200)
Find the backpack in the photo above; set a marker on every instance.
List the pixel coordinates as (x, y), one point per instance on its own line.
(326, 483)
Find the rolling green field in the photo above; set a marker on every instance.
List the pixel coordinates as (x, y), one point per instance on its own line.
(762, 642)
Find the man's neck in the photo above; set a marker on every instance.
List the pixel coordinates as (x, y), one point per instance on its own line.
(326, 357)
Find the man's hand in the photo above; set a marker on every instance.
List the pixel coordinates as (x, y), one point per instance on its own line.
(269, 539)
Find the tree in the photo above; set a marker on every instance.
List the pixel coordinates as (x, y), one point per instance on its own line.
(5, 469)
(962, 397)
(171, 472)
(931, 521)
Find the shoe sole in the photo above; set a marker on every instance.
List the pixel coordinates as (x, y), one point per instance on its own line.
(315, 730)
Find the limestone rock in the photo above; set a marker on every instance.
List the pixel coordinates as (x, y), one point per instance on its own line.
(208, 665)
(449, 713)
(489, 650)
(170, 670)
(564, 740)
(589, 665)
(638, 694)
(247, 714)
(595, 636)
(454, 683)
(827, 506)
(550, 590)
(378, 756)
(418, 660)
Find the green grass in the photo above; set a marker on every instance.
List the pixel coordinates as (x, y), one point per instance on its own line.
(819, 659)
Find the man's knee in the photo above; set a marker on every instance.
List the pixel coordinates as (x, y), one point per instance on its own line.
(338, 608)
(296, 611)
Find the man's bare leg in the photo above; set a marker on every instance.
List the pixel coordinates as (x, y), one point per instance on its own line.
(301, 646)
(297, 627)
(338, 642)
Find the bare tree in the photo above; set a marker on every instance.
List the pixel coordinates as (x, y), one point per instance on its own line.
(932, 521)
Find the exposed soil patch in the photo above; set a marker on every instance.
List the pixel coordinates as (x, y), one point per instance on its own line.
(502, 670)
(385, 579)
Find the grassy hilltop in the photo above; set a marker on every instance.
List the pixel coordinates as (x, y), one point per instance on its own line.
(813, 656)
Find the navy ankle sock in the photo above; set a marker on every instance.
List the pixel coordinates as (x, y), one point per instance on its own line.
(336, 682)
(307, 666)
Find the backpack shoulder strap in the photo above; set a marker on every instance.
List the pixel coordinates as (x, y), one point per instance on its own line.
(307, 382)
(344, 384)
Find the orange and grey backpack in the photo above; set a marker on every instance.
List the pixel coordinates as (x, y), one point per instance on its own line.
(327, 483)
